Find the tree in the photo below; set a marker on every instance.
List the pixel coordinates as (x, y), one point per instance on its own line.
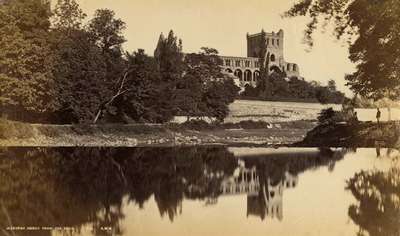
(206, 91)
(106, 31)
(68, 15)
(375, 49)
(332, 85)
(322, 95)
(169, 59)
(140, 88)
(81, 83)
(26, 79)
(264, 86)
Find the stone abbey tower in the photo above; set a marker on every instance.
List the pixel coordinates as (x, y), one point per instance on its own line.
(246, 69)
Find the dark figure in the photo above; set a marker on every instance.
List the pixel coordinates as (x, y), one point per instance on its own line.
(378, 114)
(355, 118)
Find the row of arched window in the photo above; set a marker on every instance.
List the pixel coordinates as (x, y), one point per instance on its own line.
(246, 76)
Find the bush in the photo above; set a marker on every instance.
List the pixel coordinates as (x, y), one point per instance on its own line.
(330, 116)
(250, 124)
(197, 125)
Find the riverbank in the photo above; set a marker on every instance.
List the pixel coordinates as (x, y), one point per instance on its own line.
(141, 135)
(360, 134)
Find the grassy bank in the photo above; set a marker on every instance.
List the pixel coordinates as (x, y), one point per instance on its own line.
(192, 133)
(360, 134)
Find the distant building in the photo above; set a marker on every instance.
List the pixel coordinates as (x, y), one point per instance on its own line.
(247, 69)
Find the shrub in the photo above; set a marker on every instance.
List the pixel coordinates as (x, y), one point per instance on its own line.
(330, 116)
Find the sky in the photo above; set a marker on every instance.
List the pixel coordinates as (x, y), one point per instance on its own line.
(223, 24)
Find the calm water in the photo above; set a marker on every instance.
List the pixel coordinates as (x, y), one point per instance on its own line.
(199, 191)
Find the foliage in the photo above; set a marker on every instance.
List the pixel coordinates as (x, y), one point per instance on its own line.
(81, 76)
(169, 59)
(26, 79)
(373, 30)
(67, 15)
(74, 72)
(142, 85)
(294, 89)
(329, 116)
(204, 90)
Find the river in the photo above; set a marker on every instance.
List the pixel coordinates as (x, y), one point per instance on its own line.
(196, 191)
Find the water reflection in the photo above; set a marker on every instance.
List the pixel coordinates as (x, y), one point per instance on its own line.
(93, 187)
(378, 209)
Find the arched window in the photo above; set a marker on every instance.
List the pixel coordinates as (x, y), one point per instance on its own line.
(256, 75)
(272, 57)
(247, 75)
(288, 67)
(239, 74)
(294, 67)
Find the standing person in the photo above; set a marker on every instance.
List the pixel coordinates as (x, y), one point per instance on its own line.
(378, 114)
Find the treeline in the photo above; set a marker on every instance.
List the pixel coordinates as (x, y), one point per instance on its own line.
(55, 68)
(280, 88)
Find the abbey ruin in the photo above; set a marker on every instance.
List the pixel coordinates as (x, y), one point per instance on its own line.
(247, 69)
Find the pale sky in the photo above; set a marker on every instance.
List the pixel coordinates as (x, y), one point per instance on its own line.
(223, 24)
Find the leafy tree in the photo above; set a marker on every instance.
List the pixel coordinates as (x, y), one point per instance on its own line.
(107, 33)
(322, 95)
(374, 27)
(140, 89)
(81, 77)
(26, 79)
(332, 85)
(80, 66)
(205, 90)
(106, 30)
(169, 58)
(68, 15)
(217, 96)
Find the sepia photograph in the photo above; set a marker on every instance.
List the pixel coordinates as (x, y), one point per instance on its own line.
(199, 117)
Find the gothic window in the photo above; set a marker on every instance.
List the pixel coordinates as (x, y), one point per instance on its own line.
(277, 42)
(267, 41)
(294, 67)
(228, 62)
(237, 63)
(272, 57)
(247, 63)
(273, 41)
(288, 67)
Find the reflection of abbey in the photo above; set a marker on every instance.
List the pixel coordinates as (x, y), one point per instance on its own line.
(247, 69)
(263, 198)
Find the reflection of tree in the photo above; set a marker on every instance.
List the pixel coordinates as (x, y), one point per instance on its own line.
(87, 186)
(378, 195)
(73, 187)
